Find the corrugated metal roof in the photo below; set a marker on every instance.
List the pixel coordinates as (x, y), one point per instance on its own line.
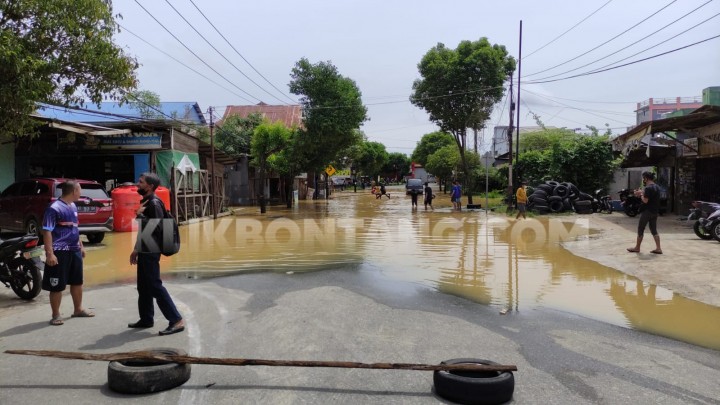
(290, 115)
(113, 112)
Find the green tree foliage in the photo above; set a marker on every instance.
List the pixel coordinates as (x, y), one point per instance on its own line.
(429, 144)
(371, 158)
(147, 103)
(443, 162)
(267, 140)
(562, 155)
(397, 164)
(234, 134)
(459, 87)
(57, 52)
(332, 112)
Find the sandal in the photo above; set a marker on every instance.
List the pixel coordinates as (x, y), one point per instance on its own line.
(83, 314)
(56, 321)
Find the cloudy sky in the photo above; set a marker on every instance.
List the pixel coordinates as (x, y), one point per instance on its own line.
(378, 44)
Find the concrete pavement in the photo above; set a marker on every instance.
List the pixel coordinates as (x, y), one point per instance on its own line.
(349, 314)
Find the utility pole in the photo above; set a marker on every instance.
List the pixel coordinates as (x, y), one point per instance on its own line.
(212, 164)
(517, 139)
(510, 145)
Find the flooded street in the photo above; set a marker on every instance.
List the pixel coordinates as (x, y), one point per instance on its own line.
(513, 266)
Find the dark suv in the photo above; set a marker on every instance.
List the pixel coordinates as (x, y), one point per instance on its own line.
(23, 204)
(414, 186)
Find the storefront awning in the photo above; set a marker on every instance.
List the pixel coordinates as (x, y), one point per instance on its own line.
(82, 128)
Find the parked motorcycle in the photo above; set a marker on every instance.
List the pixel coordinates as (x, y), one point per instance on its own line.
(17, 269)
(707, 219)
(603, 201)
(630, 202)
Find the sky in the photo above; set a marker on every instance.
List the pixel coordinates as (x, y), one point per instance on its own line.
(378, 44)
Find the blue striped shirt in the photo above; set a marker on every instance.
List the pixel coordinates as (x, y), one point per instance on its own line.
(61, 219)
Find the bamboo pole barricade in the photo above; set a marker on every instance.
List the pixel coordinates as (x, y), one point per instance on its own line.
(161, 358)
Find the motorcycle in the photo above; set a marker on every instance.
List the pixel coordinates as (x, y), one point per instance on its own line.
(603, 201)
(17, 269)
(630, 202)
(707, 219)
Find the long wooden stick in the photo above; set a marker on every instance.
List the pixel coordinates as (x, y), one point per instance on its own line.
(164, 358)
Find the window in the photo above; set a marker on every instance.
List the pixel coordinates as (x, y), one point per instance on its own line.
(88, 190)
(12, 191)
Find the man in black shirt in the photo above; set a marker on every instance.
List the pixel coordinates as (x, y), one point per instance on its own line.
(147, 258)
(651, 198)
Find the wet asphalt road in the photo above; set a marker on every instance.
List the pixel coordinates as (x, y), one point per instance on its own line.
(347, 314)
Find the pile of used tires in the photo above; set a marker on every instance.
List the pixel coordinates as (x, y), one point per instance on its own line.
(555, 197)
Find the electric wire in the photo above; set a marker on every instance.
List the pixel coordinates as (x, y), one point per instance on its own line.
(239, 54)
(196, 56)
(638, 41)
(570, 29)
(220, 53)
(579, 109)
(625, 64)
(656, 45)
(552, 99)
(598, 46)
(179, 61)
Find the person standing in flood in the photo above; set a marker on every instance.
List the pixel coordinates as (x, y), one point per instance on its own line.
(455, 195)
(650, 196)
(521, 200)
(428, 196)
(147, 258)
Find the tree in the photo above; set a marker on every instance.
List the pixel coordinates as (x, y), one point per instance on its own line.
(429, 144)
(147, 103)
(267, 140)
(332, 112)
(235, 133)
(459, 88)
(397, 163)
(58, 52)
(371, 158)
(562, 155)
(443, 162)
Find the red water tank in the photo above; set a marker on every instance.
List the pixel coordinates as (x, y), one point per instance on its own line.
(126, 202)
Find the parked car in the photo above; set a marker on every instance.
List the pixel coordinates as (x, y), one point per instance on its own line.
(23, 204)
(414, 186)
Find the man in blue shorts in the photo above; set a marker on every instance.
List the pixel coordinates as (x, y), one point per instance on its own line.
(64, 252)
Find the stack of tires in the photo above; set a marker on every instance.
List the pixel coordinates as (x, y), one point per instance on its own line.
(556, 197)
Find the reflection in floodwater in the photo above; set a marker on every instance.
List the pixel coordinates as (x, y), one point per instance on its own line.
(514, 265)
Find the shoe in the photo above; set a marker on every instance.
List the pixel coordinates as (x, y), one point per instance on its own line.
(141, 324)
(179, 326)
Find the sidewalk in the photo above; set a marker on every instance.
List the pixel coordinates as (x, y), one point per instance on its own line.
(687, 266)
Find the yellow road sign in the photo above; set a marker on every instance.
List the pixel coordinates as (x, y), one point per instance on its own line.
(330, 170)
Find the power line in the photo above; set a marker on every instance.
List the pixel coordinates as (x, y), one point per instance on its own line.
(570, 29)
(611, 39)
(578, 109)
(239, 54)
(220, 53)
(179, 61)
(654, 46)
(638, 41)
(196, 56)
(625, 64)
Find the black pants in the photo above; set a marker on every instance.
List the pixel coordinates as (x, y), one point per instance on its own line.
(645, 219)
(149, 286)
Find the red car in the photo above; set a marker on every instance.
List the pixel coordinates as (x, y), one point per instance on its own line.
(23, 204)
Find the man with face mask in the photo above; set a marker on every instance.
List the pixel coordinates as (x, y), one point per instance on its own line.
(147, 257)
(650, 196)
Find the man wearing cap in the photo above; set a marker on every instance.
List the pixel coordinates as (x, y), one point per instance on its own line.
(521, 199)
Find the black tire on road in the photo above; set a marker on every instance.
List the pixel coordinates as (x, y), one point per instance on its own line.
(567, 204)
(701, 232)
(143, 377)
(96, 237)
(26, 281)
(474, 387)
(583, 204)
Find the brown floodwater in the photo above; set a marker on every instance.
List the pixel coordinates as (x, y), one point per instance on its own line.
(514, 266)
